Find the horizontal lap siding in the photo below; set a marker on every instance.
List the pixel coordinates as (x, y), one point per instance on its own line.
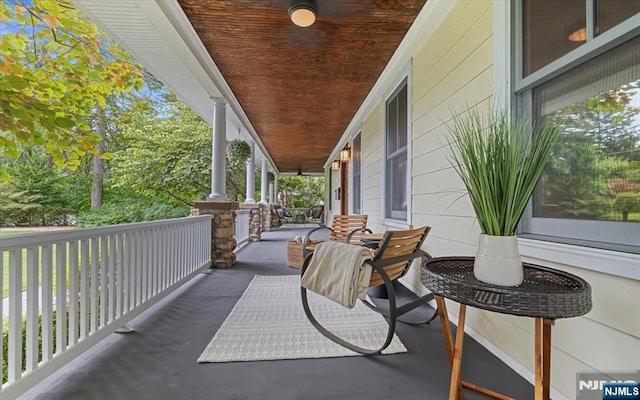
(452, 71)
(372, 166)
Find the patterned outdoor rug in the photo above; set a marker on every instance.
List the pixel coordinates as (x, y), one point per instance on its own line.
(268, 323)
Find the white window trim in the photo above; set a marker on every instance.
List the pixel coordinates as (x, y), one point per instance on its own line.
(615, 263)
(405, 73)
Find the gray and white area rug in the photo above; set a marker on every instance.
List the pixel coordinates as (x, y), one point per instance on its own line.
(268, 323)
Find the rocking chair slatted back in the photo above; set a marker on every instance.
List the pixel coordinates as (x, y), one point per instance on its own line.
(397, 244)
(342, 225)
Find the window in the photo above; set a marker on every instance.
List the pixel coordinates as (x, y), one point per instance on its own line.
(356, 157)
(589, 193)
(396, 139)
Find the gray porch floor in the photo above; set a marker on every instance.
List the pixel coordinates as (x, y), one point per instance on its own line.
(158, 360)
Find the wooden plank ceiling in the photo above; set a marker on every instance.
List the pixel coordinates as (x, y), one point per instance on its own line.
(300, 87)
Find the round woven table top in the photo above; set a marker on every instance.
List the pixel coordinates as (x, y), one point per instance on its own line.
(545, 292)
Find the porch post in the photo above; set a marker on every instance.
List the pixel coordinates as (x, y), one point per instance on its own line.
(271, 199)
(219, 148)
(263, 182)
(251, 176)
(275, 189)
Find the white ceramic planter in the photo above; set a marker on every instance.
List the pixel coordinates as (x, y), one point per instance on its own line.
(498, 261)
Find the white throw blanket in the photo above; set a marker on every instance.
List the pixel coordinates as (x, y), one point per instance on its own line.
(338, 272)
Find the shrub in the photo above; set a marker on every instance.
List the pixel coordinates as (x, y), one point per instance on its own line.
(122, 213)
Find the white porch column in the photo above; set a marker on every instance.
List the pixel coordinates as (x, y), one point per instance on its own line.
(271, 199)
(219, 148)
(263, 182)
(275, 189)
(251, 175)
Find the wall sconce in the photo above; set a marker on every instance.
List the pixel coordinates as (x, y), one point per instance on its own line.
(336, 165)
(345, 154)
(303, 12)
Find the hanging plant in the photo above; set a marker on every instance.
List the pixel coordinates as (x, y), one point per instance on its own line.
(238, 151)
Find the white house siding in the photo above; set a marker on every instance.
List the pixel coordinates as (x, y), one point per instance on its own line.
(452, 70)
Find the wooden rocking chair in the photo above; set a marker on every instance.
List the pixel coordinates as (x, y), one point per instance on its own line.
(391, 260)
(344, 228)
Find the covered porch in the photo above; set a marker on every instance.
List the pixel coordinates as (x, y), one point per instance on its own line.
(158, 360)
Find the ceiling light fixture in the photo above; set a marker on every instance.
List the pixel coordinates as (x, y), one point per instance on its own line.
(303, 12)
(579, 36)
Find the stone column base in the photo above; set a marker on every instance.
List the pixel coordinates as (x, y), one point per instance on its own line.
(255, 223)
(266, 217)
(223, 231)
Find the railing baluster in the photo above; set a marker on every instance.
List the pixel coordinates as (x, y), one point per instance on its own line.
(104, 274)
(112, 278)
(145, 267)
(155, 271)
(85, 298)
(32, 345)
(61, 297)
(138, 269)
(121, 293)
(95, 267)
(14, 358)
(47, 303)
(73, 292)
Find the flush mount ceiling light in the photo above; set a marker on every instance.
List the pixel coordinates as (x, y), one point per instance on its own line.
(303, 12)
(579, 36)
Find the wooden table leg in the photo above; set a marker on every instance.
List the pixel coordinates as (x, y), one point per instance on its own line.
(543, 358)
(454, 351)
(448, 340)
(454, 389)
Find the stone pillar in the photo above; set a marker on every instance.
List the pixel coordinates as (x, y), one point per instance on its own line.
(263, 182)
(251, 176)
(255, 221)
(266, 217)
(218, 151)
(223, 231)
(275, 189)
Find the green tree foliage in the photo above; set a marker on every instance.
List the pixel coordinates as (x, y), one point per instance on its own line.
(55, 68)
(301, 191)
(15, 205)
(165, 155)
(52, 193)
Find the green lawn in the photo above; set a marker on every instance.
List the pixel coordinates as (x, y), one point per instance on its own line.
(11, 233)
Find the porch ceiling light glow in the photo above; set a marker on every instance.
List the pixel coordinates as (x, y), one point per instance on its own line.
(303, 12)
(345, 154)
(579, 36)
(335, 165)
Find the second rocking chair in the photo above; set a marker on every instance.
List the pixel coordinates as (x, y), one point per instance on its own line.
(391, 260)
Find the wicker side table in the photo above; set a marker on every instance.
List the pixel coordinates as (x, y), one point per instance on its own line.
(546, 294)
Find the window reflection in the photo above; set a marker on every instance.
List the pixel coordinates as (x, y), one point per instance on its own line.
(594, 172)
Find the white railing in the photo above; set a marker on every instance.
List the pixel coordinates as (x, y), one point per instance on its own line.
(102, 277)
(242, 227)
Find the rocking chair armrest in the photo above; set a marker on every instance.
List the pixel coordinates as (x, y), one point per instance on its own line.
(307, 237)
(353, 232)
(395, 260)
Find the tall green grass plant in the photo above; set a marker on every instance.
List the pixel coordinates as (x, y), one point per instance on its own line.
(500, 159)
